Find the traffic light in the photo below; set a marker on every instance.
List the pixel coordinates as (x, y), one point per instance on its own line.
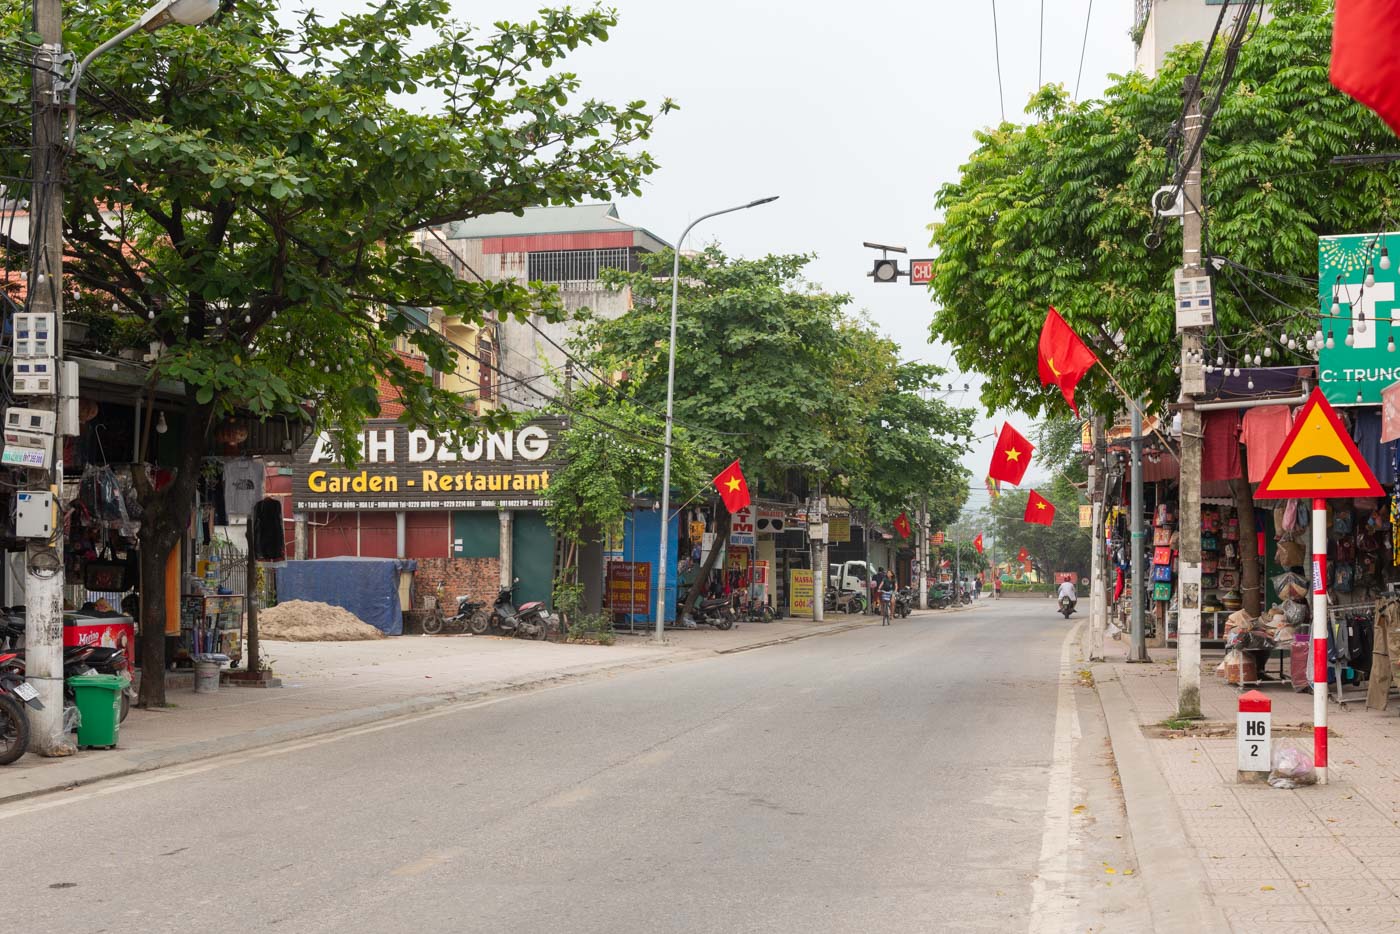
(886, 270)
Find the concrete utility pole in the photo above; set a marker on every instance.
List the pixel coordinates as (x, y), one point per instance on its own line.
(1188, 626)
(1098, 586)
(1139, 644)
(43, 579)
(817, 523)
(920, 584)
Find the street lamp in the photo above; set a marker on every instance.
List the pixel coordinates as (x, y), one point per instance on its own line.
(670, 408)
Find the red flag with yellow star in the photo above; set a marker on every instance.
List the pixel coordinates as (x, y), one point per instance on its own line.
(1063, 357)
(733, 488)
(977, 543)
(901, 525)
(1039, 509)
(1012, 456)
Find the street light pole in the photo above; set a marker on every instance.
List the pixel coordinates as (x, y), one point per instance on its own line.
(661, 602)
(53, 136)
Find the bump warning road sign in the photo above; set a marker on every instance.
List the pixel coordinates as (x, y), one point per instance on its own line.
(1319, 459)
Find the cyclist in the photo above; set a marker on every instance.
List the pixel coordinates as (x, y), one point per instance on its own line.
(886, 598)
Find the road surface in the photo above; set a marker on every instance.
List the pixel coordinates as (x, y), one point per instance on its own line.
(947, 773)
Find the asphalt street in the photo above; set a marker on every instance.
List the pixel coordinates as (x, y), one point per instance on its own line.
(947, 773)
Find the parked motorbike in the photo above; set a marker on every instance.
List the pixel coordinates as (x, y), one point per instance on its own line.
(471, 614)
(903, 602)
(15, 697)
(1066, 607)
(850, 601)
(85, 660)
(529, 621)
(757, 611)
(716, 612)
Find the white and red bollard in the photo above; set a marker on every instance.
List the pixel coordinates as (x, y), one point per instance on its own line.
(1253, 733)
(1319, 637)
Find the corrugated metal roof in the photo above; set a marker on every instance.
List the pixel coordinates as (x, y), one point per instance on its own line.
(578, 218)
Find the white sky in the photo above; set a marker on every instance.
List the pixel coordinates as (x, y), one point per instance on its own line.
(854, 114)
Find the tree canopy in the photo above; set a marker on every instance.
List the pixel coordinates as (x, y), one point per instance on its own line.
(1057, 212)
(780, 375)
(1061, 546)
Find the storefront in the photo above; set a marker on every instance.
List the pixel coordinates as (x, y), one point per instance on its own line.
(472, 517)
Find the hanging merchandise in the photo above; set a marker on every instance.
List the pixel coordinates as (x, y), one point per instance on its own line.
(243, 485)
(269, 534)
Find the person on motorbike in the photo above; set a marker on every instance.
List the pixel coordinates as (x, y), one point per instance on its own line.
(1068, 592)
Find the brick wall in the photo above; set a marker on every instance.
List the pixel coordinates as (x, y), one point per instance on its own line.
(389, 405)
(479, 577)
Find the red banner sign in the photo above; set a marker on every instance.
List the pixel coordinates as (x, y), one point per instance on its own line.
(629, 586)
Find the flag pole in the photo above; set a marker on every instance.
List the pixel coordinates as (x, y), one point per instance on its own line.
(1132, 403)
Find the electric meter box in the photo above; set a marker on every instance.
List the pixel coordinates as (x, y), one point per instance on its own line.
(34, 334)
(34, 376)
(34, 516)
(31, 428)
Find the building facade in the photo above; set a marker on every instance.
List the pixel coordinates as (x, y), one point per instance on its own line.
(1161, 25)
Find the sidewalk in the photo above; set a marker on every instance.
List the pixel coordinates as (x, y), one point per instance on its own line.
(1312, 859)
(330, 686)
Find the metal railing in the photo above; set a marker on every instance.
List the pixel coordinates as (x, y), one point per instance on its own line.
(575, 265)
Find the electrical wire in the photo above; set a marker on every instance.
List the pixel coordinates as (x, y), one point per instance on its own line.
(1082, 49)
(996, 39)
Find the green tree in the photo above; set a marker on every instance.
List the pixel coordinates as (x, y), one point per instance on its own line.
(1056, 213)
(248, 194)
(1061, 546)
(780, 375)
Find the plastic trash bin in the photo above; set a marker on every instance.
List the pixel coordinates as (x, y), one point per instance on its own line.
(99, 700)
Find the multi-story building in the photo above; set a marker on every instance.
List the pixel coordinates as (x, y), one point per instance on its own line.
(564, 246)
(1161, 25)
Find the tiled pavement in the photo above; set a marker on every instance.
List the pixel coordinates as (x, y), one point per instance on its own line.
(1324, 858)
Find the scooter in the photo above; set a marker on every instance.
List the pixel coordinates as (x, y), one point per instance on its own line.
(15, 696)
(1066, 607)
(530, 621)
(903, 603)
(849, 601)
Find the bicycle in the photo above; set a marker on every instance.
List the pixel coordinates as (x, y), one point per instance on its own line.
(886, 604)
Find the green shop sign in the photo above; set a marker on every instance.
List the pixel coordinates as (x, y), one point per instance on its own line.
(1370, 362)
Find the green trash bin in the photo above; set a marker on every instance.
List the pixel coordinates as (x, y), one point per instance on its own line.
(99, 700)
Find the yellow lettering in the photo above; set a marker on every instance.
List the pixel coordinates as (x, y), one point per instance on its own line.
(430, 481)
(391, 484)
(480, 484)
(360, 483)
(517, 482)
(494, 483)
(376, 484)
(316, 482)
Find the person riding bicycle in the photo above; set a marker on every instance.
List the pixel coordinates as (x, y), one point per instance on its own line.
(886, 598)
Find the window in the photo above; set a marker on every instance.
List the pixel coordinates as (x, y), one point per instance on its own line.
(486, 382)
(574, 265)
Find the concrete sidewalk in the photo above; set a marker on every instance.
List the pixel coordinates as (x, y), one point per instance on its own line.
(1312, 859)
(338, 685)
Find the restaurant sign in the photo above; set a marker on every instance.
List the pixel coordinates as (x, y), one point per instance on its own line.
(401, 468)
(1357, 360)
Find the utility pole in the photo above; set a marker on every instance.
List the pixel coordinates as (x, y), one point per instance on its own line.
(1188, 626)
(817, 523)
(921, 583)
(1098, 586)
(1139, 643)
(43, 579)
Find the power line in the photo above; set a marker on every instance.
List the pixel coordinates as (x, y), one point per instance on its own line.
(1082, 49)
(996, 39)
(1040, 60)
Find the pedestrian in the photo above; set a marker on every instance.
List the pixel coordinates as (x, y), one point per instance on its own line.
(876, 585)
(997, 582)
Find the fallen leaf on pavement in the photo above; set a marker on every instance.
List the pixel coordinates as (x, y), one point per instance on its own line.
(1266, 888)
(1080, 808)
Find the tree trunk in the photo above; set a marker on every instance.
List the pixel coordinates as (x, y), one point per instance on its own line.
(152, 636)
(721, 540)
(1251, 589)
(250, 588)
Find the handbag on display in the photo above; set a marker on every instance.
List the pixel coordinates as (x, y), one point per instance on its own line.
(1162, 555)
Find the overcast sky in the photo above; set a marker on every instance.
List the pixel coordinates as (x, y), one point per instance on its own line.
(853, 113)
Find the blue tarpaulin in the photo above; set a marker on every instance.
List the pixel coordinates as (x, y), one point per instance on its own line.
(367, 587)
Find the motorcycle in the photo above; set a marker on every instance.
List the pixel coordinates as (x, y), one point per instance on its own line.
(471, 614)
(85, 660)
(849, 601)
(529, 621)
(15, 696)
(1066, 606)
(903, 603)
(939, 598)
(715, 612)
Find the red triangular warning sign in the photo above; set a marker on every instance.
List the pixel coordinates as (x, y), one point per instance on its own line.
(1319, 459)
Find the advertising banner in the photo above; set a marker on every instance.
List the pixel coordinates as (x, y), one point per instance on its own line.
(629, 586)
(1356, 363)
(800, 590)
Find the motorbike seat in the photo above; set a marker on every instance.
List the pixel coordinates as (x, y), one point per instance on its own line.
(102, 655)
(533, 605)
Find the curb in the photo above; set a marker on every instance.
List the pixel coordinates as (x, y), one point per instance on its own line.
(363, 716)
(1167, 862)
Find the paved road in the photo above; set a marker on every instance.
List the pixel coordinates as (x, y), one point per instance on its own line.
(885, 779)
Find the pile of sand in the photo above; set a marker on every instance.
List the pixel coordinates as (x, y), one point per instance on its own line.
(305, 621)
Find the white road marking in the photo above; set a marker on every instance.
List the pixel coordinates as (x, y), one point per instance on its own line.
(169, 774)
(1053, 907)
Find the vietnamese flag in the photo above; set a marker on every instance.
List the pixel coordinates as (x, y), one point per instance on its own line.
(1022, 555)
(733, 488)
(1063, 357)
(901, 525)
(1039, 509)
(977, 543)
(1012, 456)
(1364, 65)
